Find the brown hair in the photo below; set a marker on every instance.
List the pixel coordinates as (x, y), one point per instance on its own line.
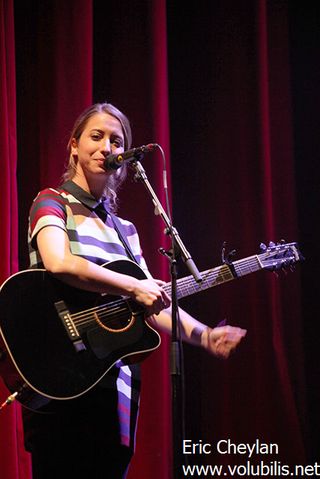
(117, 179)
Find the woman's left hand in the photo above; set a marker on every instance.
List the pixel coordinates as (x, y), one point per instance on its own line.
(222, 340)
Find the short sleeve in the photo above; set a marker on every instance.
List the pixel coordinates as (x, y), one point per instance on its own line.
(47, 209)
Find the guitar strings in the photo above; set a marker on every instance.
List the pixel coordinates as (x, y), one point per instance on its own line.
(186, 285)
(102, 311)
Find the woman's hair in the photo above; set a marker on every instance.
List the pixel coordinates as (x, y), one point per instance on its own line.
(114, 181)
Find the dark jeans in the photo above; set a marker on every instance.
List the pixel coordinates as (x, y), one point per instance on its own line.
(81, 439)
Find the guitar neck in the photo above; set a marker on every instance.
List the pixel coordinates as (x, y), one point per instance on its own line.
(215, 276)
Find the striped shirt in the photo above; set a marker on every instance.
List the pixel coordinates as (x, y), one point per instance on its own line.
(75, 211)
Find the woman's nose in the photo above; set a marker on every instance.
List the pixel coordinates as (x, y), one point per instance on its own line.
(106, 146)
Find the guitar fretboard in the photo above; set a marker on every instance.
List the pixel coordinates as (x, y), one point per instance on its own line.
(215, 276)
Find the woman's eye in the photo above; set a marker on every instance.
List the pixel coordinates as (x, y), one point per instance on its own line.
(117, 142)
(95, 137)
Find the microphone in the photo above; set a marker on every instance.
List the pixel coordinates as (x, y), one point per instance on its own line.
(113, 162)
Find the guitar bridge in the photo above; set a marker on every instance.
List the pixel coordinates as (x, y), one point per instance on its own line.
(69, 325)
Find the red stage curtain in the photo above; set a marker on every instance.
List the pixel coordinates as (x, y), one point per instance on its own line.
(232, 164)
(54, 86)
(14, 461)
(233, 138)
(54, 71)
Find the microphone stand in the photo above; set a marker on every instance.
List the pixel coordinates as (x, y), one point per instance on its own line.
(175, 351)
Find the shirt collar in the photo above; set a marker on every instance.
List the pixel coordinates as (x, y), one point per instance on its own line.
(86, 198)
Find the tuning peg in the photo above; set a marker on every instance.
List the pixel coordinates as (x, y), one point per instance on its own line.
(231, 254)
(271, 244)
(263, 247)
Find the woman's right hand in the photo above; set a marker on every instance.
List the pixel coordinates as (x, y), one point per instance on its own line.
(150, 293)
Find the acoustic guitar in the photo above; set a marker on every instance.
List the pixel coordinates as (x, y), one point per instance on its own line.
(57, 342)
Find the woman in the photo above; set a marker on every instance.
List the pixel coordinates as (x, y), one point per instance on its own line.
(72, 232)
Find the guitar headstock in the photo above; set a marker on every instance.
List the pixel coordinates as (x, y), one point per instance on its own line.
(279, 256)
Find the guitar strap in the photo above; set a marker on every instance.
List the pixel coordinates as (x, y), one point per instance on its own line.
(103, 213)
(118, 226)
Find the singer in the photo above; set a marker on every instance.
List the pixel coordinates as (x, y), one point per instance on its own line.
(73, 230)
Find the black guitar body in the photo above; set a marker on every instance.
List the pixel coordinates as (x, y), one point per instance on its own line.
(41, 360)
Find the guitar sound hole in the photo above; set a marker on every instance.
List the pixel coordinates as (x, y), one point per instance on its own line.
(116, 324)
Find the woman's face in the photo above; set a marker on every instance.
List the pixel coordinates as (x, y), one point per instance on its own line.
(102, 136)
